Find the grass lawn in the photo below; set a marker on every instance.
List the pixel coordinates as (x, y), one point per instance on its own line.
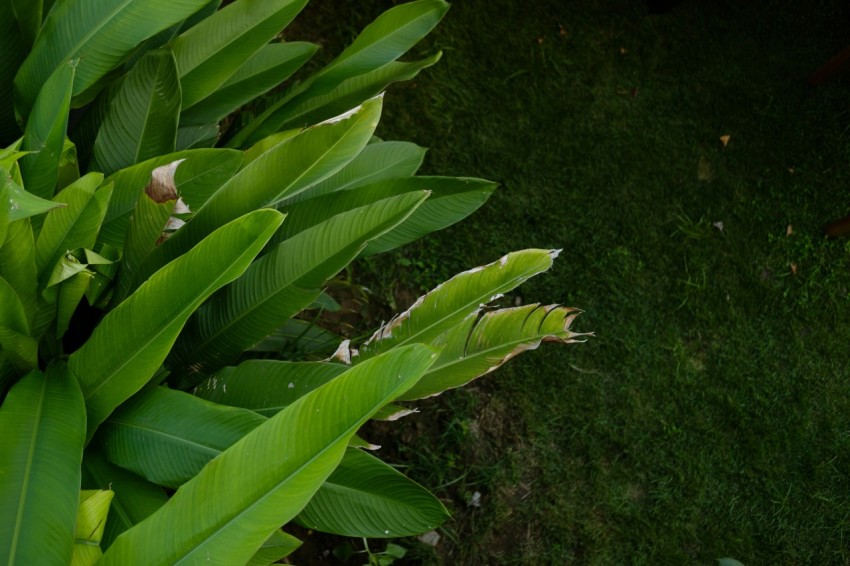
(710, 415)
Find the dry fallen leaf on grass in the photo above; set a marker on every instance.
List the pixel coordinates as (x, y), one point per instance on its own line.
(789, 230)
(724, 139)
(793, 269)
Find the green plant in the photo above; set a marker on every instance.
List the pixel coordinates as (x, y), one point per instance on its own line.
(141, 300)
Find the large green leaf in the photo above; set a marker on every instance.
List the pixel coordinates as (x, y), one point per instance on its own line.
(284, 170)
(377, 161)
(23, 204)
(143, 115)
(280, 284)
(210, 52)
(131, 342)
(277, 467)
(264, 70)
(73, 226)
(100, 34)
(279, 545)
(8, 374)
(91, 520)
(15, 340)
(44, 136)
(298, 338)
(267, 386)
(17, 265)
(198, 137)
(5, 183)
(84, 131)
(144, 232)
(365, 497)
(12, 53)
(42, 430)
(194, 174)
(166, 436)
(380, 43)
(29, 14)
(69, 165)
(386, 39)
(451, 302)
(452, 199)
(311, 109)
(134, 498)
(479, 345)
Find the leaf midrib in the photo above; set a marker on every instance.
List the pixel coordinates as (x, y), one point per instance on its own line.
(160, 432)
(243, 32)
(274, 487)
(151, 97)
(30, 458)
(86, 38)
(52, 249)
(205, 292)
(412, 338)
(382, 38)
(251, 309)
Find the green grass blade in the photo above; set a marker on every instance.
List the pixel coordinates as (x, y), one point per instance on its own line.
(44, 135)
(277, 466)
(42, 430)
(365, 497)
(280, 284)
(142, 119)
(131, 342)
(450, 303)
(210, 52)
(100, 34)
(266, 386)
(264, 70)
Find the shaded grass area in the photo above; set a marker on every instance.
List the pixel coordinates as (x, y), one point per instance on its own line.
(710, 416)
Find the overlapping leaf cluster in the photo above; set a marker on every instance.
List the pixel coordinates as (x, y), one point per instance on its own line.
(148, 253)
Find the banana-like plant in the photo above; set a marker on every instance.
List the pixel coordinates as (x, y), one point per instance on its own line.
(161, 404)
